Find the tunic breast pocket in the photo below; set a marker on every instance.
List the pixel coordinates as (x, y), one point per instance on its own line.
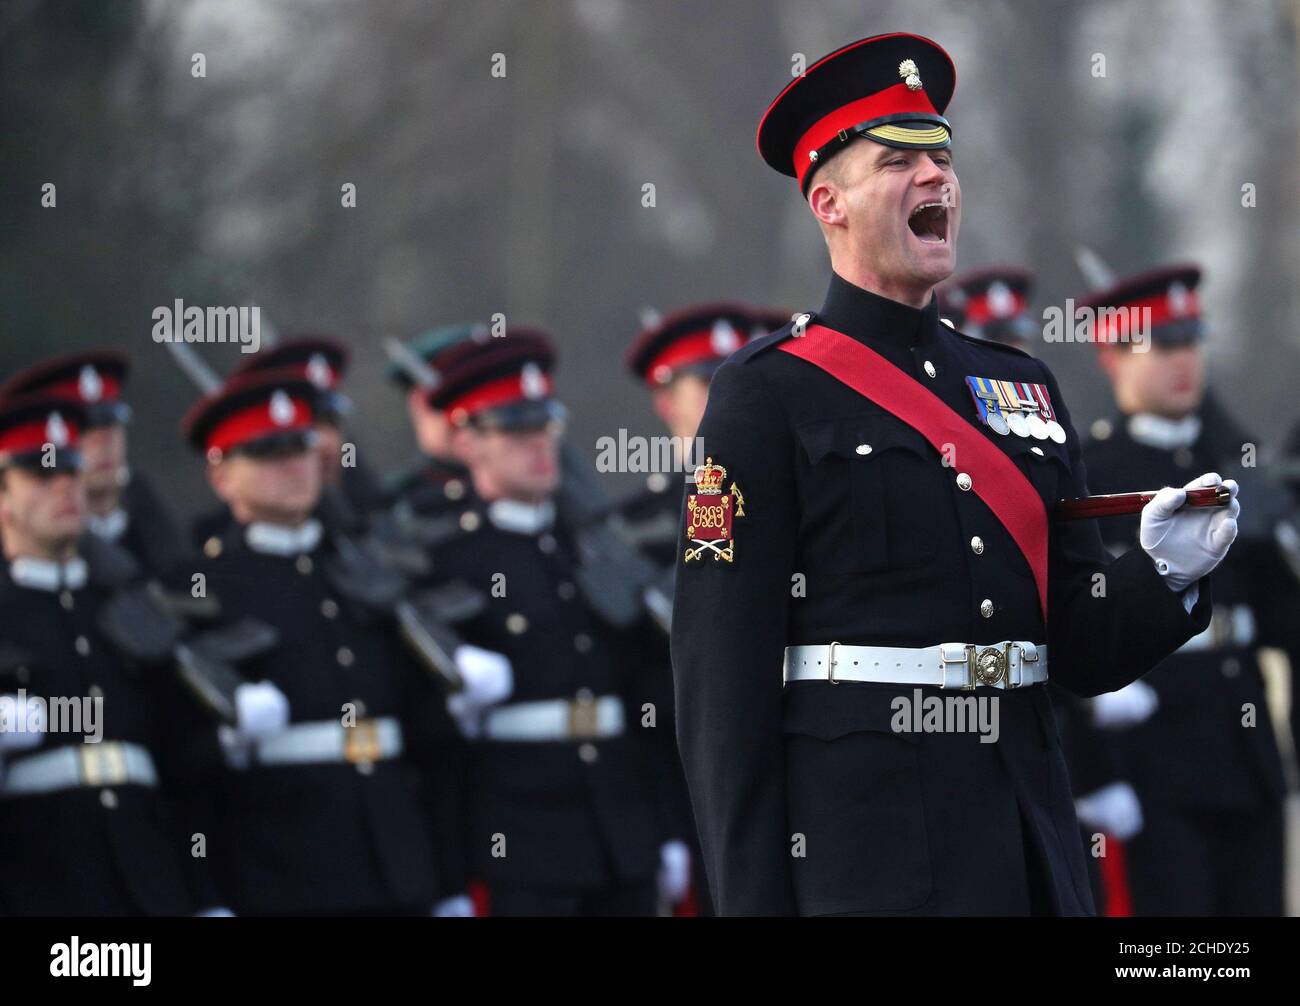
(1046, 464)
(893, 482)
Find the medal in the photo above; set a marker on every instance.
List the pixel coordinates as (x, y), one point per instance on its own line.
(1019, 424)
(1055, 431)
(998, 424)
(1037, 428)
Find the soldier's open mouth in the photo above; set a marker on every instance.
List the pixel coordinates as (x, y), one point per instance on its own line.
(929, 222)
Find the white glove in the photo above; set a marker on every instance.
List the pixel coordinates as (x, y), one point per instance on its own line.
(488, 679)
(219, 912)
(21, 728)
(459, 907)
(1126, 707)
(674, 878)
(260, 710)
(1187, 545)
(1113, 809)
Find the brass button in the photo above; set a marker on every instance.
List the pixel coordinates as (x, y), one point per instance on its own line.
(977, 545)
(1037, 450)
(864, 449)
(366, 767)
(82, 645)
(929, 368)
(108, 799)
(454, 489)
(1183, 457)
(212, 547)
(588, 753)
(303, 565)
(66, 600)
(469, 521)
(963, 482)
(546, 543)
(329, 608)
(516, 624)
(345, 656)
(582, 642)
(986, 608)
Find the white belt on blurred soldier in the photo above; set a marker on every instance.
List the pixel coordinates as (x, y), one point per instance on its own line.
(324, 741)
(583, 718)
(108, 763)
(1009, 664)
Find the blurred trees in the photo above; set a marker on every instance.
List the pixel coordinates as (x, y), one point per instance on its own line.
(525, 193)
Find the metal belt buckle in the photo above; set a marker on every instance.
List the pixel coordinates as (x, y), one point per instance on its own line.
(991, 665)
(361, 742)
(102, 764)
(830, 663)
(582, 718)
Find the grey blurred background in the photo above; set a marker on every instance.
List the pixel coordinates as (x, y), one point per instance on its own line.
(523, 194)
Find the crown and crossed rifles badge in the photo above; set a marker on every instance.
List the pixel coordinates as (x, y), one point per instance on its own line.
(709, 512)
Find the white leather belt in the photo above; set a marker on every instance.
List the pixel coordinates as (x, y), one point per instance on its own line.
(583, 718)
(1009, 664)
(369, 740)
(108, 763)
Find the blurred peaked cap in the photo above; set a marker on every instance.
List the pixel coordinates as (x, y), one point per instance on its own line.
(430, 346)
(93, 378)
(768, 320)
(892, 89)
(695, 339)
(515, 367)
(1169, 292)
(31, 423)
(259, 405)
(320, 359)
(993, 303)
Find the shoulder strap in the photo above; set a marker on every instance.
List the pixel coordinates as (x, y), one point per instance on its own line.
(996, 480)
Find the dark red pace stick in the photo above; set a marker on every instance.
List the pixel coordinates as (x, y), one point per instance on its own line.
(1129, 503)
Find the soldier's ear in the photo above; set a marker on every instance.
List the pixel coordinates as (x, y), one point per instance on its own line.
(1108, 359)
(219, 479)
(824, 199)
(464, 443)
(662, 400)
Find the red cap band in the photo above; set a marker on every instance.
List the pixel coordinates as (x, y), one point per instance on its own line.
(891, 101)
(499, 392)
(1113, 320)
(260, 420)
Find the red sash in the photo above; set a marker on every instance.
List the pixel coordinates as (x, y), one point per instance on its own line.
(996, 479)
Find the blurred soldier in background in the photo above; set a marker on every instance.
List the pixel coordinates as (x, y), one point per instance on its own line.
(1193, 739)
(84, 827)
(122, 506)
(567, 809)
(437, 479)
(991, 303)
(322, 362)
(352, 808)
(676, 357)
